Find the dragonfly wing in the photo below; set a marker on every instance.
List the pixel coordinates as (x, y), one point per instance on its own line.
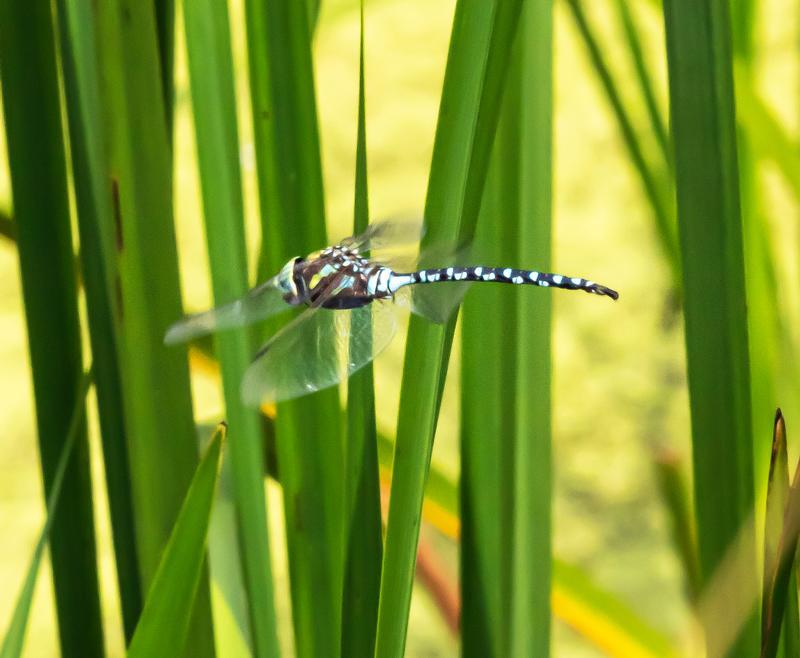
(320, 348)
(260, 303)
(434, 302)
(386, 234)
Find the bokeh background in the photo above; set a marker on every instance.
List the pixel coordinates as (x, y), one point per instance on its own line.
(620, 393)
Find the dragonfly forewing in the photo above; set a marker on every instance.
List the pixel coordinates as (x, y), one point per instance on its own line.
(320, 348)
(258, 304)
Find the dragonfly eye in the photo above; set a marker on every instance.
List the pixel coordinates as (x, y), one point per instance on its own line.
(286, 278)
(290, 281)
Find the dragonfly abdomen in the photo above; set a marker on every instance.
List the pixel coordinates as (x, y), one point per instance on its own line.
(501, 275)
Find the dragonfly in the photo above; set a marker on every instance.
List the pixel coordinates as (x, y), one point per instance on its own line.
(350, 297)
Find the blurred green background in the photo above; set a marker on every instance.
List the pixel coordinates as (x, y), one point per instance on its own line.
(619, 380)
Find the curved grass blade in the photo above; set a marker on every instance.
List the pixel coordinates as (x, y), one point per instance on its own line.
(482, 36)
(14, 639)
(645, 79)
(710, 227)
(765, 133)
(677, 499)
(363, 527)
(167, 613)
(94, 206)
(214, 105)
(39, 185)
(655, 181)
(607, 622)
(779, 607)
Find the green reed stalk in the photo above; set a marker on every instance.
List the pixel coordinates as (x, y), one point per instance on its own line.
(165, 29)
(480, 48)
(363, 531)
(155, 377)
(532, 499)
(94, 206)
(506, 377)
(214, 105)
(488, 364)
(710, 227)
(309, 438)
(39, 187)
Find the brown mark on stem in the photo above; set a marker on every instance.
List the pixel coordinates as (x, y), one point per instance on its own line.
(117, 213)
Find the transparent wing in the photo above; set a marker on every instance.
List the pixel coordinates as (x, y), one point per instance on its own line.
(259, 303)
(436, 302)
(386, 234)
(320, 348)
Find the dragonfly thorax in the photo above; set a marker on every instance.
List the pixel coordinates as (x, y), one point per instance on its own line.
(337, 278)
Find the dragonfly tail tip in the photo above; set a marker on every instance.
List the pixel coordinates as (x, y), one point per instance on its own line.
(608, 292)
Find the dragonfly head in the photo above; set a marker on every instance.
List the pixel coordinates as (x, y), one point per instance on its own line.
(291, 283)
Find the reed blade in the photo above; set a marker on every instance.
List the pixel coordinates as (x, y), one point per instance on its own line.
(155, 377)
(32, 110)
(363, 527)
(710, 227)
(309, 438)
(164, 624)
(14, 640)
(214, 107)
(95, 219)
(480, 48)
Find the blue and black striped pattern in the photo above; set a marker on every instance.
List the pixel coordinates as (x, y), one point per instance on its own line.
(341, 278)
(502, 275)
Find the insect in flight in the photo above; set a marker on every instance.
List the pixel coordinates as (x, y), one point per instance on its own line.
(351, 303)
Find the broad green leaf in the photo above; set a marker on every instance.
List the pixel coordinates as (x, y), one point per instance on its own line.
(164, 623)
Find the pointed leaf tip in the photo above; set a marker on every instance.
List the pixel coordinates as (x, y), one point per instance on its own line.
(163, 626)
